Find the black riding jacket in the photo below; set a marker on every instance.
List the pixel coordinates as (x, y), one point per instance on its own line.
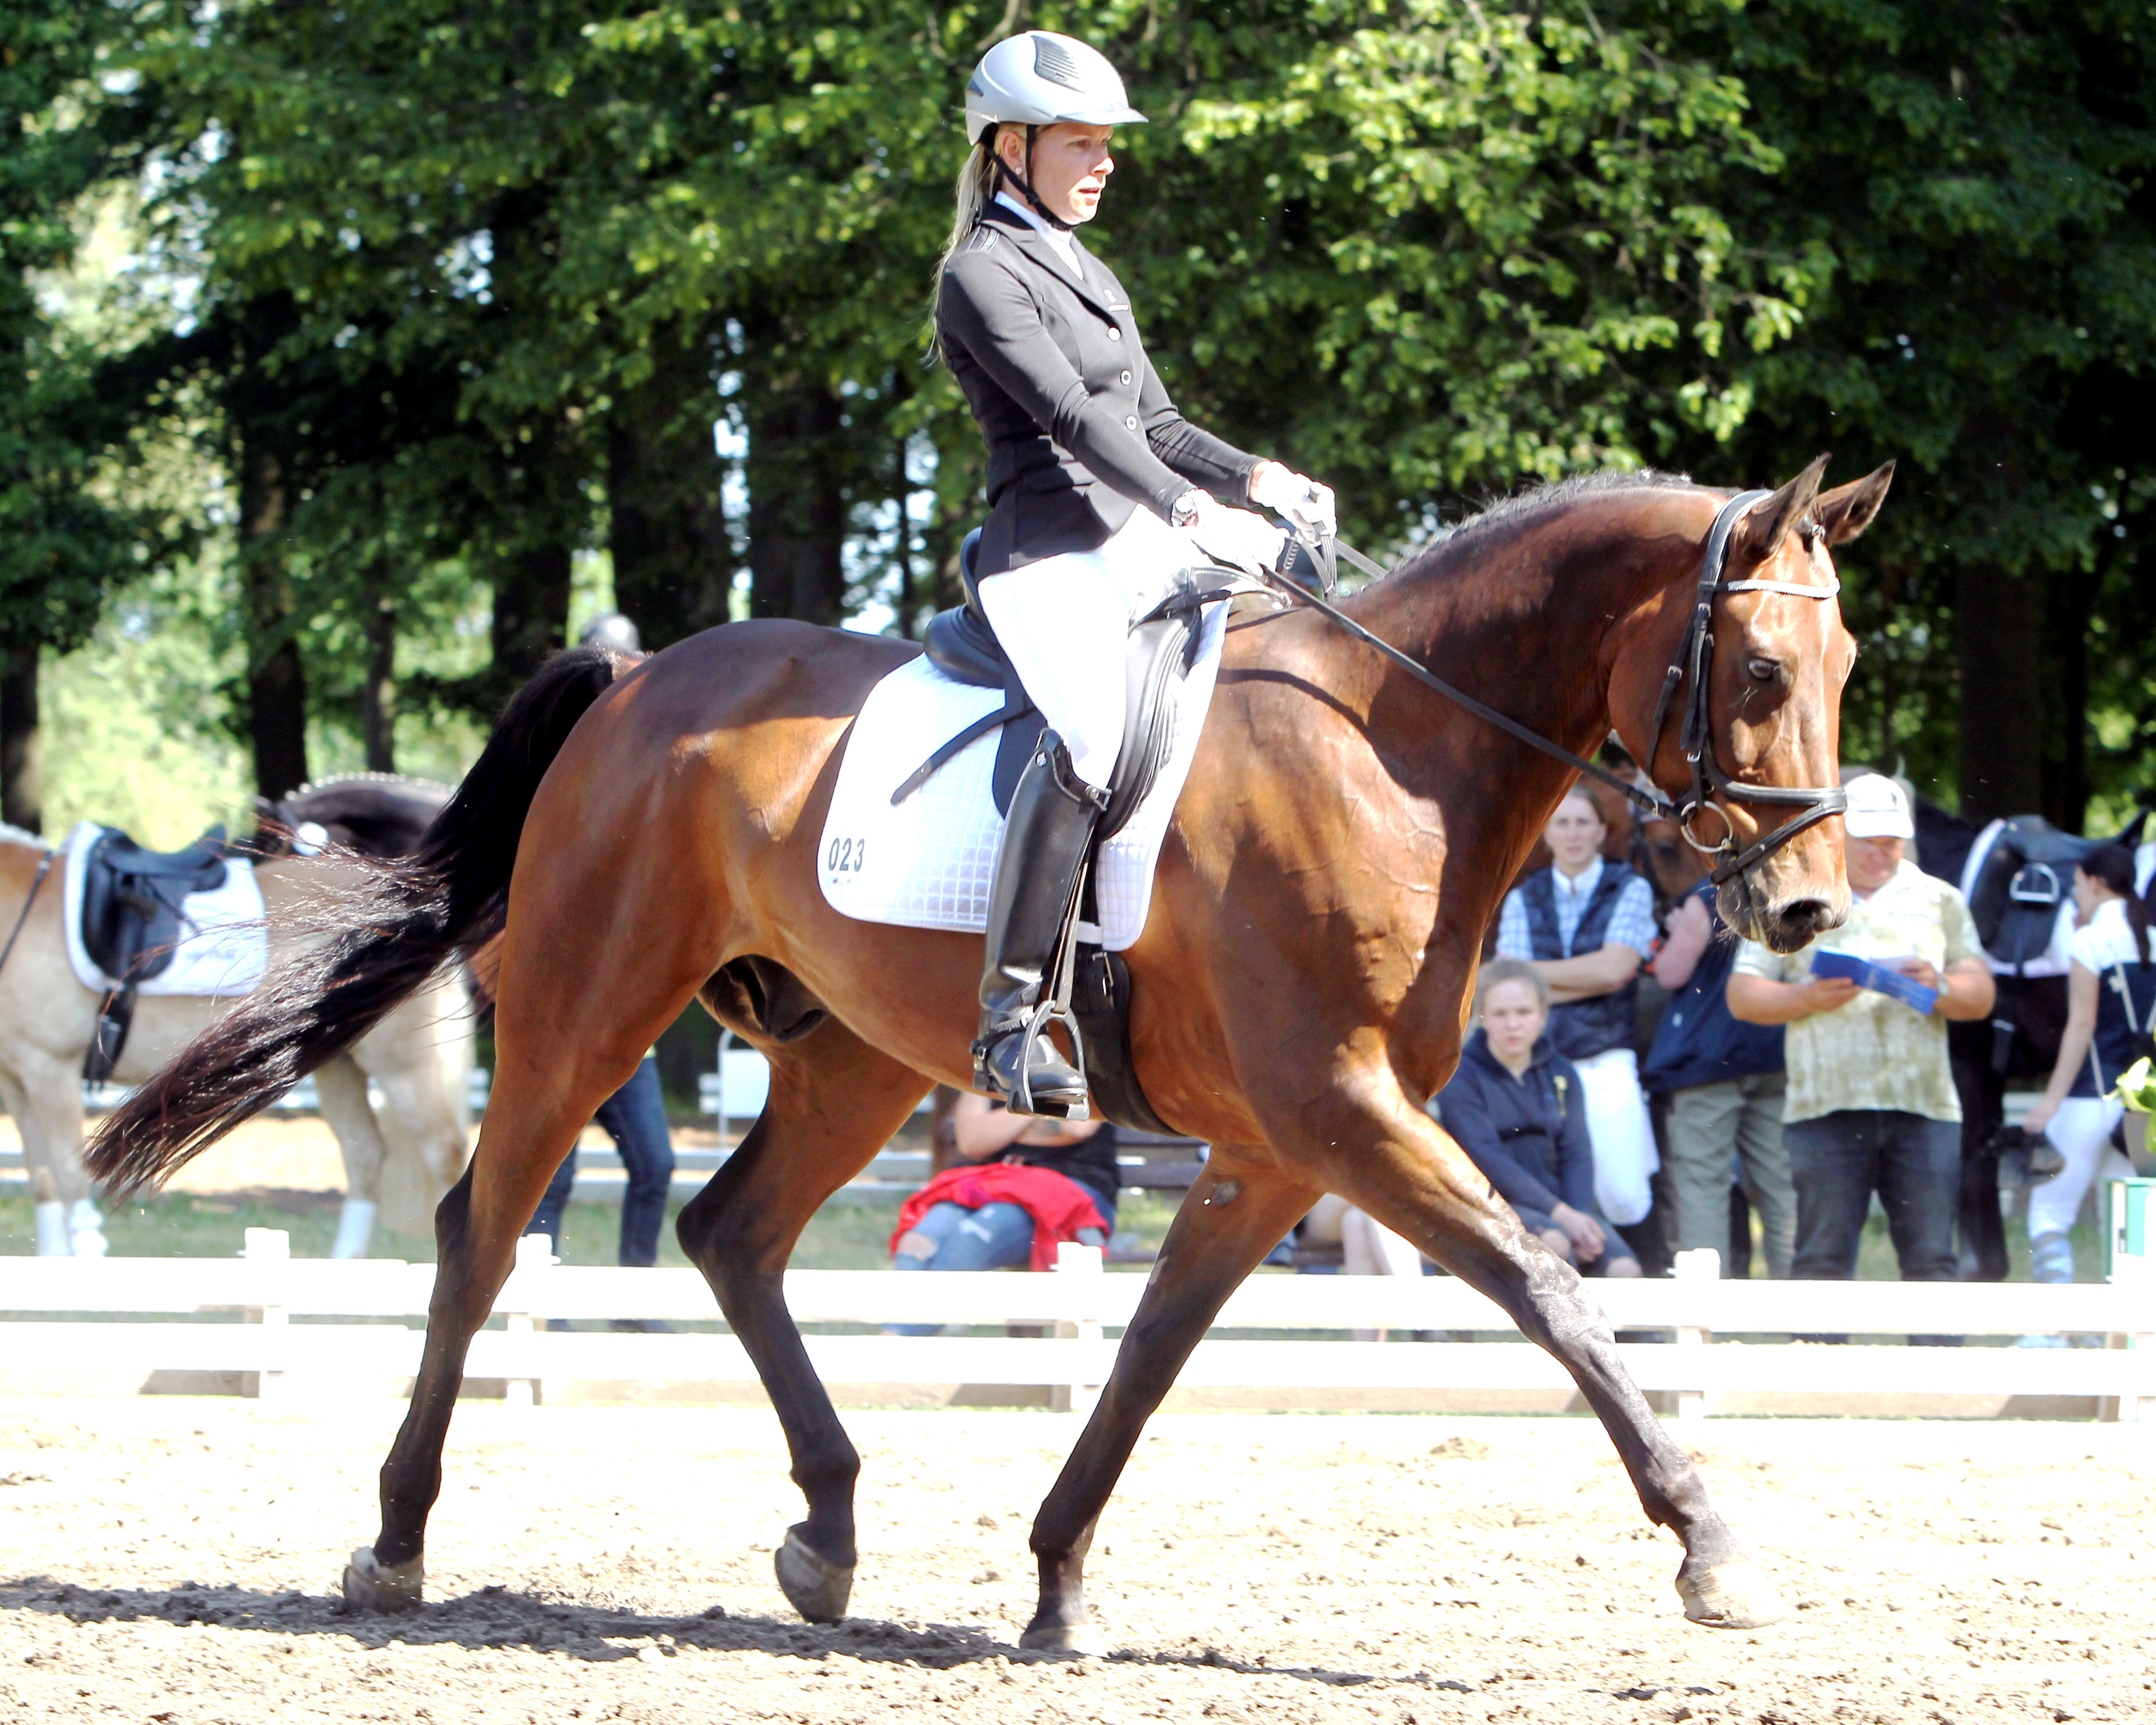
(1080, 431)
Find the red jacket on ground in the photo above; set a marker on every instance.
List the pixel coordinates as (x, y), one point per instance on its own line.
(1058, 1205)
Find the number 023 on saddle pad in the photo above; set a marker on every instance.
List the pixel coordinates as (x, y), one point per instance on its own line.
(927, 861)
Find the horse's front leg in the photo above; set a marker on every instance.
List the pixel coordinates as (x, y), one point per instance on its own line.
(1385, 1155)
(1239, 1210)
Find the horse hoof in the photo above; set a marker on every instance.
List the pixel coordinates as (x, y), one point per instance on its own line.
(371, 1585)
(1732, 1595)
(1064, 1638)
(814, 1585)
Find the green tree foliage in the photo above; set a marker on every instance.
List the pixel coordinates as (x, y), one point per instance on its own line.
(1979, 177)
(62, 542)
(479, 276)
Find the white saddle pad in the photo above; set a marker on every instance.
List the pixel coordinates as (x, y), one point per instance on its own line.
(223, 946)
(928, 862)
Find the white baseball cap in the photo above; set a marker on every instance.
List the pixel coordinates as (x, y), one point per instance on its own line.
(1877, 808)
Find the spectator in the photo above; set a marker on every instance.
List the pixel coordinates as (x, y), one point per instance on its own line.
(1585, 924)
(634, 1117)
(1514, 1106)
(1022, 1183)
(1725, 1086)
(2111, 994)
(1870, 1103)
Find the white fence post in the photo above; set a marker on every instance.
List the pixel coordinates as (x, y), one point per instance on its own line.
(2133, 1269)
(267, 1247)
(1699, 1265)
(520, 1299)
(1086, 1265)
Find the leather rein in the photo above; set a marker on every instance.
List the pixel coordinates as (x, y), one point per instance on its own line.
(1712, 787)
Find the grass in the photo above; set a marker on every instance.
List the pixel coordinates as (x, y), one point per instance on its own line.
(841, 1236)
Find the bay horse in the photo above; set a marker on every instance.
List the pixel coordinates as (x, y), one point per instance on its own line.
(401, 1157)
(650, 834)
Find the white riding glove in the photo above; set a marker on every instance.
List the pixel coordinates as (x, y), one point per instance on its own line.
(1306, 505)
(1237, 537)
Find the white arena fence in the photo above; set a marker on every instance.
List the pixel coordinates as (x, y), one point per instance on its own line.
(296, 1327)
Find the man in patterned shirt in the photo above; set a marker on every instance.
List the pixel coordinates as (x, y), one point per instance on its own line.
(1586, 923)
(1871, 1104)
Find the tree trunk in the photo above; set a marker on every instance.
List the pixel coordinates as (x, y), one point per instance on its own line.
(276, 677)
(531, 611)
(377, 687)
(22, 754)
(673, 562)
(797, 507)
(1999, 627)
(2071, 597)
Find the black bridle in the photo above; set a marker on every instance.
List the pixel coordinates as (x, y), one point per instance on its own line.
(1712, 787)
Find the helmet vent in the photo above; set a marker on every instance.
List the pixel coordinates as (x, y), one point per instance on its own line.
(1052, 60)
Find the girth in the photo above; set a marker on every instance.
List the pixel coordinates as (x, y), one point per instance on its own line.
(132, 902)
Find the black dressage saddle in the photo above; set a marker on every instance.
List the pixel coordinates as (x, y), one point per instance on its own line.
(1164, 647)
(131, 904)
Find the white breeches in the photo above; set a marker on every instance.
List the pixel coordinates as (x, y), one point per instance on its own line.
(1617, 1119)
(2081, 1131)
(1064, 622)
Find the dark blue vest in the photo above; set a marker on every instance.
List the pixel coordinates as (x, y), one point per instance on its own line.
(1699, 1042)
(2125, 1002)
(1579, 1029)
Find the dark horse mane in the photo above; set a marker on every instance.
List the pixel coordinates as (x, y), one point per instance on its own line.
(1526, 507)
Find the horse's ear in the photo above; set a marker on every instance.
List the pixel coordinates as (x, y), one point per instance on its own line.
(1759, 534)
(1847, 511)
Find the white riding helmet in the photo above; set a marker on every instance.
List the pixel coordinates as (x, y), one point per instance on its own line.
(1039, 79)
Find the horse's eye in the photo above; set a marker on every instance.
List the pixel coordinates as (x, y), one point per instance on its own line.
(1763, 670)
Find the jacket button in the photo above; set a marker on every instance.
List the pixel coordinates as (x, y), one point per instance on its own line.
(1115, 334)
(1126, 377)
(1130, 423)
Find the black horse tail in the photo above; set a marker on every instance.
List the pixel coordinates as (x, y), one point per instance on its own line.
(415, 915)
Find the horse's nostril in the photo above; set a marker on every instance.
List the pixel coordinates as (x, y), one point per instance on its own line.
(1800, 919)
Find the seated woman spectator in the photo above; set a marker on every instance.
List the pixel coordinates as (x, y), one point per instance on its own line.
(2111, 996)
(1022, 1185)
(1516, 1107)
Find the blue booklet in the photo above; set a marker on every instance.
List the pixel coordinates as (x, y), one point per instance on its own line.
(1878, 978)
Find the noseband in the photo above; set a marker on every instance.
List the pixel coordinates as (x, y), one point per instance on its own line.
(1711, 788)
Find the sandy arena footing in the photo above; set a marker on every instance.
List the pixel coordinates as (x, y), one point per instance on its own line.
(173, 1561)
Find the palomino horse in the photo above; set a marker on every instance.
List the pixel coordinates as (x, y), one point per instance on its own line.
(1300, 984)
(404, 1157)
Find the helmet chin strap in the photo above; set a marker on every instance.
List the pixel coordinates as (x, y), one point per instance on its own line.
(1023, 182)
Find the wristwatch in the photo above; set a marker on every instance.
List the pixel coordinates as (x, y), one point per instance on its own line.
(1183, 511)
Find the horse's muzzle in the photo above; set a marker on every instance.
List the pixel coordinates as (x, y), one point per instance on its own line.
(1789, 927)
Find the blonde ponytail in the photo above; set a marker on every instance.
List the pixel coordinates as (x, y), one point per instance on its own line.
(976, 186)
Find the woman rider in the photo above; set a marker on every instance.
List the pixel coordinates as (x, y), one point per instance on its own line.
(1100, 493)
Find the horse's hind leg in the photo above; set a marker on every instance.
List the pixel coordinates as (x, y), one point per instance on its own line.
(341, 1087)
(1239, 1210)
(835, 1102)
(563, 1051)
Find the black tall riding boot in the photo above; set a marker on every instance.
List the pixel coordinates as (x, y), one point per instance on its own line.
(1053, 812)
